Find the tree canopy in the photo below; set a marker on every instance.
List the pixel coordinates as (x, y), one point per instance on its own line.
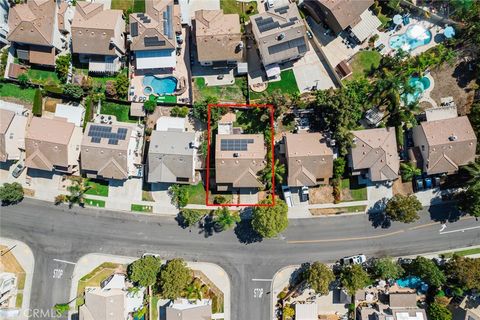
(428, 271)
(270, 221)
(144, 271)
(403, 208)
(225, 219)
(11, 193)
(354, 278)
(437, 311)
(464, 272)
(73, 91)
(62, 67)
(174, 278)
(191, 216)
(319, 277)
(386, 268)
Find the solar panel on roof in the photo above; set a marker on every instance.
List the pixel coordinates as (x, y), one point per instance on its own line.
(281, 9)
(134, 29)
(169, 20)
(261, 21)
(235, 144)
(113, 141)
(153, 42)
(99, 132)
(288, 24)
(268, 26)
(293, 19)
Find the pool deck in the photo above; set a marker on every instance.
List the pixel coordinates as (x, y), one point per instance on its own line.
(182, 70)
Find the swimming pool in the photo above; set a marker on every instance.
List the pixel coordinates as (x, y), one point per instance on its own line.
(415, 36)
(159, 86)
(413, 283)
(419, 85)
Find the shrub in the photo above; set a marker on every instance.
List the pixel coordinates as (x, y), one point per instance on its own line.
(179, 195)
(51, 88)
(11, 193)
(190, 217)
(73, 91)
(144, 271)
(23, 80)
(150, 106)
(37, 103)
(110, 90)
(220, 200)
(181, 112)
(336, 194)
(121, 85)
(62, 66)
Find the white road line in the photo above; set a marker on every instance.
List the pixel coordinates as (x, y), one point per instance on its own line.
(460, 230)
(263, 280)
(64, 261)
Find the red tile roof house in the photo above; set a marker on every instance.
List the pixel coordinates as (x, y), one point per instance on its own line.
(34, 31)
(98, 37)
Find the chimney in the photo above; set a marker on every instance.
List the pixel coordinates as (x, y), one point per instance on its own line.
(453, 137)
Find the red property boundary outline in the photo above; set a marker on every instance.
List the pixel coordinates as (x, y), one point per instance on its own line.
(238, 105)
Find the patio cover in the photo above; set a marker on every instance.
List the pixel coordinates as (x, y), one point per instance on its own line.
(137, 109)
(155, 59)
(42, 55)
(367, 26)
(272, 70)
(71, 113)
(242, 68)
(104, 64)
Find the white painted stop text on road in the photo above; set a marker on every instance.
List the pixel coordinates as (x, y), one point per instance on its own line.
(258, 293)
(57, 273)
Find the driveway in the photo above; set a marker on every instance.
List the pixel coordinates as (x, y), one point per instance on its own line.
(311, 72)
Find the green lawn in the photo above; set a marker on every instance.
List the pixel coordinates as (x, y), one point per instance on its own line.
(232, 6)
(287, 85)
(463, 253)
(94, 278)
(363, 61)
(196, 193)
(231, 93)
(141, 208)
(121, 111)
(41, 76)
(9, 90)
(97, 188)
(135, 5)
(95, 203)
(153, 306)
(358, 192)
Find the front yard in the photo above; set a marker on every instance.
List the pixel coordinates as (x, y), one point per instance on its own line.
(288, 85)
(134, 5)
(196, 193)
(352, 191)
(231, 93)
(97, 188)
(94, 278)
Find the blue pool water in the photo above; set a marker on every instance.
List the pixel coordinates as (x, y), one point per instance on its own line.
(414, 37)
(419, 85)
(413, 283)
(160, 86)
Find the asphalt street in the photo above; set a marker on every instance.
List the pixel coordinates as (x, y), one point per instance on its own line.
(57, 233)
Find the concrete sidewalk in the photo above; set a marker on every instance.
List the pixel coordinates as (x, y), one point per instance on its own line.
(25, 257)
(90, 261)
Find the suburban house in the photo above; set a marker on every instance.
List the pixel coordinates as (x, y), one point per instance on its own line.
(12, 135)
(98, 37)
(34, 32)
(152, 37)
(309, 159)
(112, 300)
(112, 151)
(442, 146)
(238, 159)
(52, 145)
(218, 38)
(280, 34)
(73, 114)
(469, 308)
(401, 306)
(171, 157)
(183, 309)
(4, 8)
(352, 16)
(374, 154)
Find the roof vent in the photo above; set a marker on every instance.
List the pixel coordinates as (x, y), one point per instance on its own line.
(235, 155)
(453, 138)
(281, 36)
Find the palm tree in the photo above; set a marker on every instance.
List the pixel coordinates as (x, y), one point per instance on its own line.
(409, 171)
(473, 170)
(193, 291)
(224, 219)
(266, 173)
(77, 190)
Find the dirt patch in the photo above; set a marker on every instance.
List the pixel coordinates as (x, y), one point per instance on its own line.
(159, 112)
(18, 101)
(321, 195)
(403, 188)
(456, 80)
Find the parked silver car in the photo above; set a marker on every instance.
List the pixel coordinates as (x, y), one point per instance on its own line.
(18, 170)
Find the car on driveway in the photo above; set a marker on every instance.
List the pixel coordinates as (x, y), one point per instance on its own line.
(287, 195)
(358, 259)
(304, 194)
(18, 170)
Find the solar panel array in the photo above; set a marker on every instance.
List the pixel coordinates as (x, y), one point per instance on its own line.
(97, 133)
(134, 29)
(153, 42)
(167, 22)
(282, 10)
(235, 144)
(266, 24)
(144, 18)
(299, 43)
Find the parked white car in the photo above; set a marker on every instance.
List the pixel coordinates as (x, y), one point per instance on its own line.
(287, 195)
(358, 259)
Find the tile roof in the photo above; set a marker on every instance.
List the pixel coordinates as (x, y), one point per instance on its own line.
(376, 151)
(218, 36)
(347, 12)
(309, 159)
(32, 22)
(97, 31)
